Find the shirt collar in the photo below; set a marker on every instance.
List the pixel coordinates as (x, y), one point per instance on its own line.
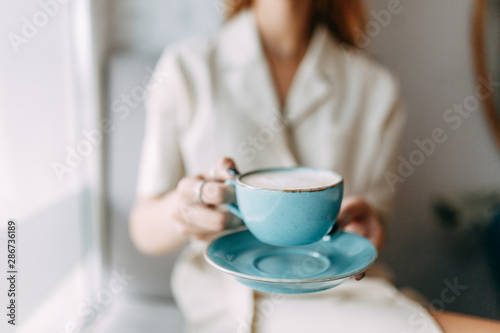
(241, 58)
(240, 45)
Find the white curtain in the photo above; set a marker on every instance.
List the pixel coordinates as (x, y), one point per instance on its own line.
(50, 163)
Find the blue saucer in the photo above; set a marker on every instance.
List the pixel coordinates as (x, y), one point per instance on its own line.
(291, 270)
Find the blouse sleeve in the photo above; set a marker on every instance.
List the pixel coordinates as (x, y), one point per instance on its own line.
(383, 182)
(161, 165)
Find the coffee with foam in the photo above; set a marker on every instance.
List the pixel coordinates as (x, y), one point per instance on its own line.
(296, 179)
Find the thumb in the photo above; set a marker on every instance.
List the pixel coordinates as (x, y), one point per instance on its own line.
(352, 209)
(226, 169)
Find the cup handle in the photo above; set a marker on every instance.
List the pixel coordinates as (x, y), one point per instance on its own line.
(233, 208)
(335, 230)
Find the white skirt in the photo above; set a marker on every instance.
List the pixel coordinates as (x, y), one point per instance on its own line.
(370, 305)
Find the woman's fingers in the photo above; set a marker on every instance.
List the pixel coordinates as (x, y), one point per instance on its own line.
(189, 230)
(357, 216)
(352, 209)
(197, 197)
(200, 219)
(360, 276)
(193, 230)
(214, 193)
(357, 227)
(211, 193)
(225, 169)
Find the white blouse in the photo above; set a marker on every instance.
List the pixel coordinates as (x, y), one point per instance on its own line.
(216, 98)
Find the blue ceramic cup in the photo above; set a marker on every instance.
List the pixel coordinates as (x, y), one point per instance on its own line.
(288, 216)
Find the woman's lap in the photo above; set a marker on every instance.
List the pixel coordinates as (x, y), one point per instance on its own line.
(371, 305)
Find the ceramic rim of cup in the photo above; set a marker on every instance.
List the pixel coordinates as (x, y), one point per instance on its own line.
(310, 189)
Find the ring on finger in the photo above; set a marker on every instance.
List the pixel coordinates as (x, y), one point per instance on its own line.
(197, 191)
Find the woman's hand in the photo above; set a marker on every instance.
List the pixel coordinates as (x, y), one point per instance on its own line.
(358, 217)
(200, 218)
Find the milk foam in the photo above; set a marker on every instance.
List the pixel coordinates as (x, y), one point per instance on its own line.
(291, 180)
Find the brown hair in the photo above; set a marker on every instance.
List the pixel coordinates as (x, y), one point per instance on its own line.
(344, 18)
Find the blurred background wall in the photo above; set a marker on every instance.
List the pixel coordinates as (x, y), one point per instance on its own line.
(427, 45)
(429, 48)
